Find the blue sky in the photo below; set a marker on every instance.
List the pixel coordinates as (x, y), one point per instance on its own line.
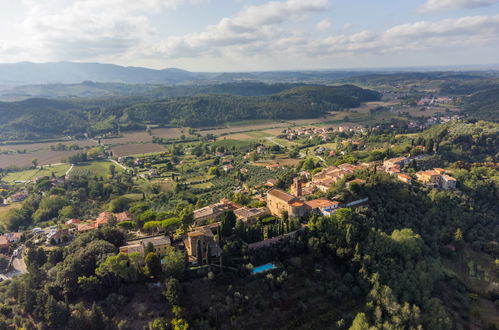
(252, 35)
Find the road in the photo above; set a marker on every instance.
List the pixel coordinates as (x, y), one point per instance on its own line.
(271, 139)
(18, 267)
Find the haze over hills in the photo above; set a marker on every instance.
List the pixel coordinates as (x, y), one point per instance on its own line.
(27, 73)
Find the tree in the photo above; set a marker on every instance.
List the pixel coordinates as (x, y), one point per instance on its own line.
(123, 266)
(172, 291)
(360, 322)
(458, 235)
(173, 262)
(228, 223)
(34, 162)
(112, 170)
(153, 265)
(56, 313)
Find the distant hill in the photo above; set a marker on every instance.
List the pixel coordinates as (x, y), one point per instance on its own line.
(36, 118)
(89, 89)
(69, 72)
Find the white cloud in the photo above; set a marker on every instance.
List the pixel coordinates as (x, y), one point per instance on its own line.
(323, 25)
(444, 5)
(255, 25)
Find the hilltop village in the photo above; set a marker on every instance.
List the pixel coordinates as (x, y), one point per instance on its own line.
(220, 215)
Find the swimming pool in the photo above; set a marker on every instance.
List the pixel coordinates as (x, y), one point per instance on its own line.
(263, 268)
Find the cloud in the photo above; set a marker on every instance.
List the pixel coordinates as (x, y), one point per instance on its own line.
(323, 25)
(255, 26)
(445, 5)
(85, 29)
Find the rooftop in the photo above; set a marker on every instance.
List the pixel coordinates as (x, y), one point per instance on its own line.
(320, 203)
(281, 195)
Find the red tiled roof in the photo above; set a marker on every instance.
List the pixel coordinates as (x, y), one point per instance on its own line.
(281, 195)
(320, 203)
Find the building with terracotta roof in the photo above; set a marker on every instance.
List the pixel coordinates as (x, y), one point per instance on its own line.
(84, 227)
(395, 161)
(214, 211)
(124, 216)
(159, 243)
(4, 243)
(72, 222)
(251, 215)
(404, 178)
(279, 201)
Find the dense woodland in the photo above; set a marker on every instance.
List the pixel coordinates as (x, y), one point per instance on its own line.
(26, 119)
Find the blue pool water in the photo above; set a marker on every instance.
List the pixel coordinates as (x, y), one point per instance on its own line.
(263, 268)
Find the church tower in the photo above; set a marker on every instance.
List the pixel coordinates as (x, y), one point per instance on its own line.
(296, 188)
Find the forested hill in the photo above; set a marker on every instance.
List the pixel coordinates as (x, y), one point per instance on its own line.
(35, 118)
(90, 89)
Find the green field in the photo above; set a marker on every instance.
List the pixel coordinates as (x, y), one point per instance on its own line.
(258, 134)
(249, 122)
(58, 170)
(229, 143)
(97, 168)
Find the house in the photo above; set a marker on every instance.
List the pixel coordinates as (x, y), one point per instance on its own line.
(104, 218)
(4, 243)
(58, 236)
(395, 161)
(199, 242)
(271, 183)
(279, 201)
(18, 197)
(214, 211)
(227, 167)
(428, 177)
(251, 215)
(447, 182)
(124, 216)
(84, 227)
(404, 178)
(317, 205)
(329, 210)
(159, 243)
(72, 222)
(13, 237)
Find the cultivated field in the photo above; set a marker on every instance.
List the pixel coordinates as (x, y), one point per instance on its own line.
(170, 133)
(136, 149)
(97, 168)
(45, 145)
(244, 128)
(280, 161)
(58, 170)
(44, 157)
(129, 137)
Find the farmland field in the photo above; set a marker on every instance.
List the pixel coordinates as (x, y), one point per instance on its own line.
(170, 133)
(136, 149)
(44, 157)
(229, 143)
(58, 170)
(129, 137)
(97, 168)
(45, 145)
(238, 136)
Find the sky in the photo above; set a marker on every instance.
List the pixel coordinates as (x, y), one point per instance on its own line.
(251, 35)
